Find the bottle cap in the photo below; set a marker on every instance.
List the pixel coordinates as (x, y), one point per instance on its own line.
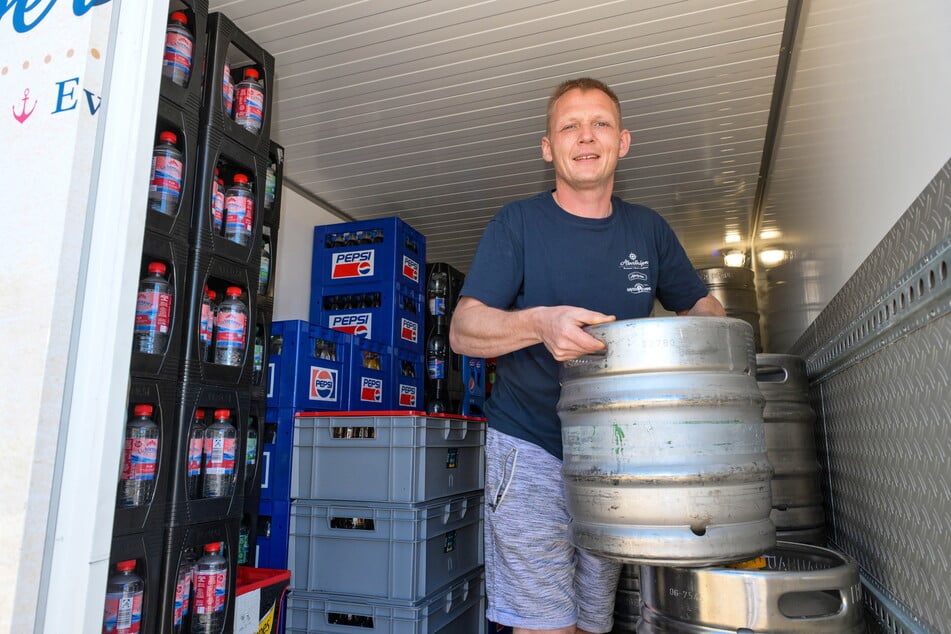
(212, 295)
(233, 291)
(142, 409)
(157, 267)
(240, 178)
(200, 414)
(178, 16)
(126, 566)
(222, 413)
(171, 137)
(250, 73)
(213, 547)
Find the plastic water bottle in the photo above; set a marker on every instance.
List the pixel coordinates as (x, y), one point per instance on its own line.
(183, 596)
(139, 459)
(239, 211)
(257, 362)
(179, 46)
(251, 452)
(270, 185)
(196, 450)
(221, 441)
(124, 593)
(244, 542)
(213, 304)
(211, 591)
(218, 204)
(264, 270)
(153, 312)
(227, 91)
(231, 329)
(206, 324)
(249, 102)
(165, 185)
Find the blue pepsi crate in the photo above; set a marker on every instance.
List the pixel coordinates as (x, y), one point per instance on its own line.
(389, 313)
(371, 386)
(274, 518)
(276, 453)
(308, 367)
(473, 386)
(408, 374)
(383, 250)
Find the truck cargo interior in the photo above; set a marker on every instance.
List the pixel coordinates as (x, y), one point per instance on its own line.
(804, 142)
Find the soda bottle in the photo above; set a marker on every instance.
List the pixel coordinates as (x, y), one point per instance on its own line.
(227, 91)
(124, 593)
(183, 596)
(179, 44)
(257, 362)
(436, 293)
(139, 459)
(239, 211)
(436, 351)
(251, 451)
(270, 185)
(211, 590)
(153, 312)
(249, 102)
(437, 400)
(231, 329)
(218, 204)
(196, 450)
(264, 272)
(165, 184)
(221, 440)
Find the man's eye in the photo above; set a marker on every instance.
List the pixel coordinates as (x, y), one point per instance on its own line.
(601, 124)
(569, 126)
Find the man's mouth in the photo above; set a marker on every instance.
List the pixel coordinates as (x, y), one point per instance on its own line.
(586, 157)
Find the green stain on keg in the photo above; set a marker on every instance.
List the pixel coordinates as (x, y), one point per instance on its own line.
(618, 439)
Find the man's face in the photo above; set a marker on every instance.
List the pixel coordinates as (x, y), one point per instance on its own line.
(585, 140)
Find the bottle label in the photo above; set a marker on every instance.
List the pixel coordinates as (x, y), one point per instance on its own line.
(437, 306)
(270, 187)
(218, 208)
(436, 368)
(219, 455)
(206, 324)
(231, 328)
(178, 55)
(123, 612)
(249, 111)
(140, 458)
(166, 177)
(210, 586)
(196, 447)
(153, 312)
(182, 596)
(251, 457)
(239, 220)
(227, 90)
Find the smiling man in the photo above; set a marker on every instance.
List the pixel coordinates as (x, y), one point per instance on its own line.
(545, 268)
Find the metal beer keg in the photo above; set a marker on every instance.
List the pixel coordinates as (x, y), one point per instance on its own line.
(735, 287)
(793, 588)
(790, 446)
(664, 447)
(627, 601)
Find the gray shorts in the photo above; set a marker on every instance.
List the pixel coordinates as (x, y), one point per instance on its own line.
(534, 577)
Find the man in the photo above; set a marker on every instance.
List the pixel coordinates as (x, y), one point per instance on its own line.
(545, 268)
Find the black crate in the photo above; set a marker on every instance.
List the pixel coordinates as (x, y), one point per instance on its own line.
(269, 233)
(217, 274)
(186, 543)
(248, 530)
(183, 508)
(275, 159)
(174, 255)
(455, 279)
(189, 95)
(147, 550)
(253, 453)
(228, 43)
(162, 396)
(260, 344)
(184, 123)
(219, 152)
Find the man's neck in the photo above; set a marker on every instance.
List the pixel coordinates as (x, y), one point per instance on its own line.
(586, 203)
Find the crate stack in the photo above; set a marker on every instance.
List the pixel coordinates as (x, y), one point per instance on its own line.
(209, 414)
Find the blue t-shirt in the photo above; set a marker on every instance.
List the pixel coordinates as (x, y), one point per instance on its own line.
(533, 253)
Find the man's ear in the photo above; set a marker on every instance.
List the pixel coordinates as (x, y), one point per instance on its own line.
(546, 149)
(625, 145)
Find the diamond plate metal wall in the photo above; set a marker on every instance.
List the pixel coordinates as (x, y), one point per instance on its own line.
(879, 360)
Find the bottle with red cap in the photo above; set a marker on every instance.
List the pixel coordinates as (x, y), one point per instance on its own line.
(165, 185)
(139, 459)
(211, 591)
(206, 324)
(153, 312)
(227, 91)
(231, 328)
(217, 204)
(196, 452)
(239, 211)
(249, 101)
(124, 593)
(179, 49)
(218, 472)
(183, 596)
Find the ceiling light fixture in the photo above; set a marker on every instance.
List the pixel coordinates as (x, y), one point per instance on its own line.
(734, 258)
(772, 257)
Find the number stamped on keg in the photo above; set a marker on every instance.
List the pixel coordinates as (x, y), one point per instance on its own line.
(686, 595)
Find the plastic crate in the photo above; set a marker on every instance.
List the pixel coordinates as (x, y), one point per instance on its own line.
(147, 550)
(390, 313)
(394, 552)
(260, 344)
(371, 386)
(278, 446)
(275, 159)
(297, 375)
(259, 600)
(189, 95)
(383, 250)
(269, 233)
(273, 527)
(390, 457)
(457, 609)
(253, 461)
(173, 118)
(408, 374)
(473, 382)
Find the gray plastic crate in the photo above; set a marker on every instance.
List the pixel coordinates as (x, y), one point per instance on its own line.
(392, 458)
(458, 609)
(377, 551)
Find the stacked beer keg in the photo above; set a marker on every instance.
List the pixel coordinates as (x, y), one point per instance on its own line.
(666, 466)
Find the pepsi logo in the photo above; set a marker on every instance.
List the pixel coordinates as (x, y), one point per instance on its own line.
(323, 384)
(364, 268)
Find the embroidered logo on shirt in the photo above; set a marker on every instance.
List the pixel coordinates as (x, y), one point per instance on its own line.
(635, 268)
(639, 288)
(631, 262)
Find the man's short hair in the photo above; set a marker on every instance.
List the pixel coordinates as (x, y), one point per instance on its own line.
(582, 84)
